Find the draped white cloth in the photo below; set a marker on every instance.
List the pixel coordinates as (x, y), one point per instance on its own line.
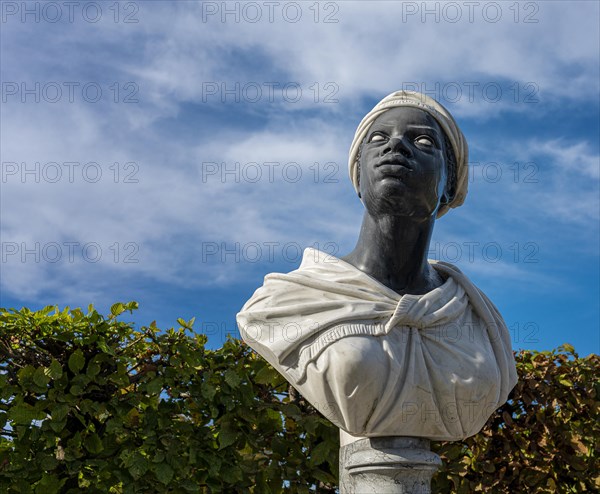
(377, 363)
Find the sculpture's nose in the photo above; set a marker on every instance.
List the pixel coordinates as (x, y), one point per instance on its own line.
(397, 145)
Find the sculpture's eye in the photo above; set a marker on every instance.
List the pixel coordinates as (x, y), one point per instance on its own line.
(378, 138)
(424, 141)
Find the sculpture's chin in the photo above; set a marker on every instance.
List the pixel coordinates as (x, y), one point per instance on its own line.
(399, 202)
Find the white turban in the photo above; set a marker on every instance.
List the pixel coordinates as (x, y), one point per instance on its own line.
(443, 118)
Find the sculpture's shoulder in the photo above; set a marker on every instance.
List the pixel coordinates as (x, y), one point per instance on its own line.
(291, 312)
(319, 273)
(477, 297)
(282, 289)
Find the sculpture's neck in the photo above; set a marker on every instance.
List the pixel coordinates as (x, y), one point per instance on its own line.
(393, 250)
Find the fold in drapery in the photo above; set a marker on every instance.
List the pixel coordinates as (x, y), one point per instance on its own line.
(432, 365)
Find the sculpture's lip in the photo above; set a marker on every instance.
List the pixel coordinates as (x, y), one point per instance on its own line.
(397, 161)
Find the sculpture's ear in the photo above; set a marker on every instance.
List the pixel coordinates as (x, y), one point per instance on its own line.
(450, 188)
(448, 194)
(358, 156)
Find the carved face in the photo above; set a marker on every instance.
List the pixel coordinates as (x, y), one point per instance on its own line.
(402, 164)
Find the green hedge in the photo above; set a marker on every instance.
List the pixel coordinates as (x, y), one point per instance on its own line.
(92, 404)
(546, 439)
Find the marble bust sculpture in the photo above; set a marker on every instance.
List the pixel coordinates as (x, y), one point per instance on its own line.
(383, 341)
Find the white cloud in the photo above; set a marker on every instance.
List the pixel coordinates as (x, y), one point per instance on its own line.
(575, 158)
(370, 51)
(389, 51)
(171, 52)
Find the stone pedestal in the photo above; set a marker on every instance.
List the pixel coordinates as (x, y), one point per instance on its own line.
(387, 465)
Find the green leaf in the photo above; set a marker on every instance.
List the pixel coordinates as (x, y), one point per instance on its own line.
(279, 446)
(155, 386)
(55, 370)
(25, 374)
(132, 419)
(93, 444)
(117, 309)
(232, 378)
(319, 453)
(227, 438)
(208, 391)
(139, 467)
(60, 411)
(24, 414)
(93, 369)
(267, 375)
(163, 472)
(231, 474)
(76, 390)
(273, 414)
(76, 361)
(49, 484)
(48, 462)
(40, 378)
(323, 476)
(104, 347)
(58, 426)
(186, 324)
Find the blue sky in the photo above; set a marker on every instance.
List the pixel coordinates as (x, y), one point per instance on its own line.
(174, 153)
